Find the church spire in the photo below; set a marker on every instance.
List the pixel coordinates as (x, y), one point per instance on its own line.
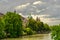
(38, 18)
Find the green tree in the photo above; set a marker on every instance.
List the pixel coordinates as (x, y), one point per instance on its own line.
(13, 24)
(56, 32)
(2, 32)
(47, 28)
(39, 25)
(32, 24)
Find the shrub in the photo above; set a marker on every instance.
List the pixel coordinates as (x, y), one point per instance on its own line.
(28, 31)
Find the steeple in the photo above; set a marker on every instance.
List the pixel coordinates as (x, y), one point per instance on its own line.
(38, 18)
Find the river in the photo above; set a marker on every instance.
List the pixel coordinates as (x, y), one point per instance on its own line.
(33, 37)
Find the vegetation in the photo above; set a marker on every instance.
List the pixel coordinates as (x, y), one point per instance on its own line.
(2, 33)
(38, 26)
(56, 32)
(32, 24)
(11, 25)
(28, 31)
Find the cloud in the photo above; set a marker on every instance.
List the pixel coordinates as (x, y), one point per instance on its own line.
(34, 6)
(38, 11)
(47, 7)
(57, 6)
(38, 2)
(22, 6)
(55, 0)
(4, 1)
(40, 16)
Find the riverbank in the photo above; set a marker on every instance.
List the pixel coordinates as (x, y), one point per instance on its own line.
(32, 37)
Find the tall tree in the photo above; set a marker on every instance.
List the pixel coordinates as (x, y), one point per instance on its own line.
(32, 24)
(13, 24)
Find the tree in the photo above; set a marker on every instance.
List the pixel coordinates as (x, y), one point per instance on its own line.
(56, 32)
(2, 32)
(40, 26)
(13, 24)
(32, 24)
(47, 28)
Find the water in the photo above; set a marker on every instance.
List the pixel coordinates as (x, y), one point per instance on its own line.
(33, 37)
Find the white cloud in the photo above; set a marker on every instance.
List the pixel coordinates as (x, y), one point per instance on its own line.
(22, 6)
(38, 2)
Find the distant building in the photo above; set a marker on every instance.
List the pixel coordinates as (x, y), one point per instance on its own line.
(25, 20)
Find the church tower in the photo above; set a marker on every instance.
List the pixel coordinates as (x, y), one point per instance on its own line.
(38, 18)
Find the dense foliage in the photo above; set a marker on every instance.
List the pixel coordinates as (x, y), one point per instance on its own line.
(38, 26)
(2, 33)
(28, 31)
(11, 25)
(56, 32)
(32, 24)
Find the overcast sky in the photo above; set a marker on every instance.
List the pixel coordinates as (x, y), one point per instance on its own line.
(47, 10)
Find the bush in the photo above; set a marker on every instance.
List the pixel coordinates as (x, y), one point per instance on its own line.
(28, 31)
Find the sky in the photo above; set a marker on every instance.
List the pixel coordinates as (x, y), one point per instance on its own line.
(47, 10)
